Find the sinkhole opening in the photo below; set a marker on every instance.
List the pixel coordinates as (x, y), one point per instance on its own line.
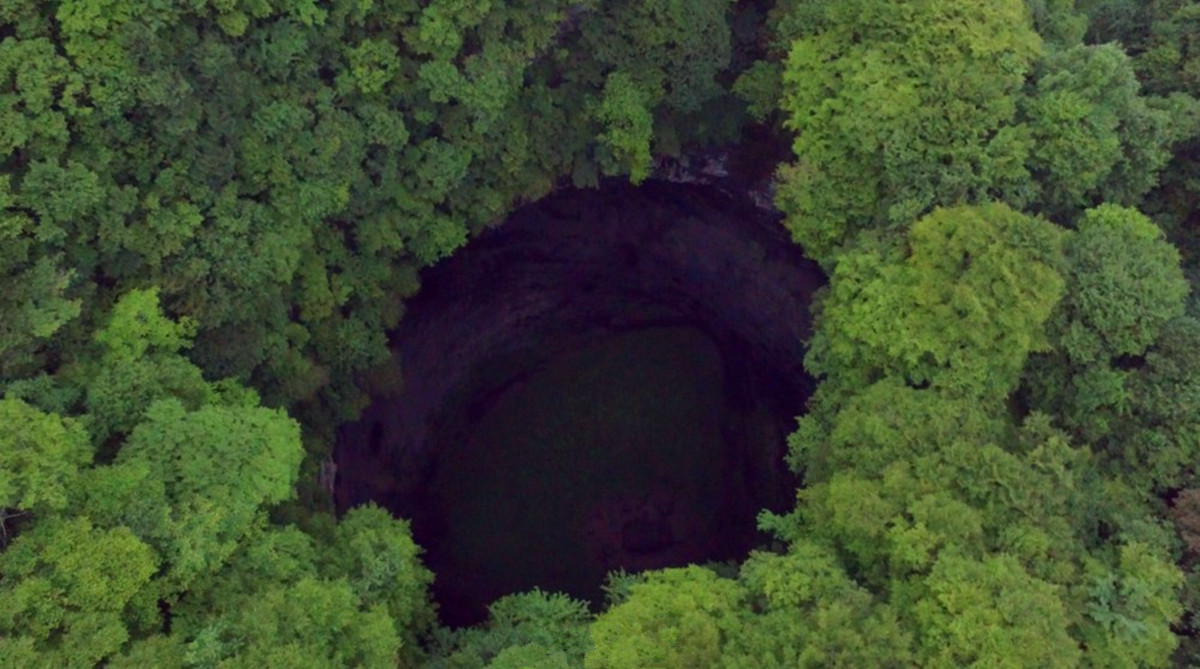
(605, 381)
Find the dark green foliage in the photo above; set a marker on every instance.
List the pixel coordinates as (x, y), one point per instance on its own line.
(244, 191)
(1096, 139)
(281, 174)
(1160, 34)
(1123, 304)
(1125, 284)
(685, 44)
(1060, 22)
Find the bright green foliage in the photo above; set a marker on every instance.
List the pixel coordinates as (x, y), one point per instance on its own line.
(282, 596)
(677, 618)
(137, 327)
(810, 614)
(265, 557)
(373, 64)
(890, 422)
(161, 652)
(982, 537)
(889, 127)
(991, 613)
(140, 363)
(193, 474)
(899, 107)
(211, 470)
(376, 555)
(1124, 283)
(624, 111)
(312, 623)
(64, 589)
(961, 312)
(119, 393)
(268, 604)
(529, 657)
(793, 610)
(40, 457)
(545, 630)
(892, 483)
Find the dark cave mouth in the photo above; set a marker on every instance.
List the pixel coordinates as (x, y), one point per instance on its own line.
(631, 452)
(604, 382)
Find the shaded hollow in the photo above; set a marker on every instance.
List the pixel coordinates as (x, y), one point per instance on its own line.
(604, 381)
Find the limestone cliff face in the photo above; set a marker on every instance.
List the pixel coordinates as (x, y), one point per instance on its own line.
(566, 271)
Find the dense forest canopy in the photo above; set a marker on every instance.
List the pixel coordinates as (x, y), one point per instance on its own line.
(212, 211)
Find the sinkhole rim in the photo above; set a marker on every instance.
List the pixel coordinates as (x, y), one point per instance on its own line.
(586, 265)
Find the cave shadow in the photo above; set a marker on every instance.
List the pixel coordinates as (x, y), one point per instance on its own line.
(698, 291)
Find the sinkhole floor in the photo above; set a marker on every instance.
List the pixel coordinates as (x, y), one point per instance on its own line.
(610, 456)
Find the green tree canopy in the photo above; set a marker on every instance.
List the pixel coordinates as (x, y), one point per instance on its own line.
(992, 613)
(1096, 139)
(545, 630)
(677, 618)
(193, 483)
(64, 591)
(809, 613)
(961, 311)
(40, 457)
(1124, 284)
(312, 623)
(899, 107)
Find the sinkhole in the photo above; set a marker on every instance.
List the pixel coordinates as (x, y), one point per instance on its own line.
(605, 381)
